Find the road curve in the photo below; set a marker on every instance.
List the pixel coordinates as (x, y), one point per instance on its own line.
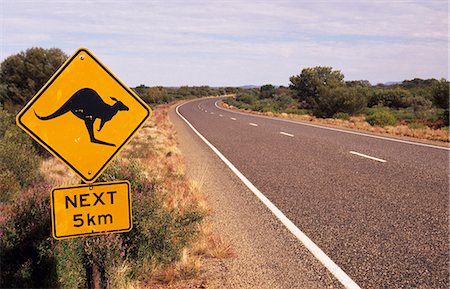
(377, 208)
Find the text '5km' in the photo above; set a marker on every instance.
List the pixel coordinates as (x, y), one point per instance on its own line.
(91, 209)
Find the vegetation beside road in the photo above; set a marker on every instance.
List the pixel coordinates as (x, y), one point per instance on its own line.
(416, 108)
(170, 236)
(169, 239)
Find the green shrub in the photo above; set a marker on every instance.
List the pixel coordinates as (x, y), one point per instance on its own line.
(390, 97)
(340, 99)
(299, 111)
(6, 121)
(247, 98)
(382, 118)
(18, 156)
(265, 105)
(8, 185)
(158, 235)
(416, 125)
(419, 103)
(70, 263)
(284, 101)
(440, 92)
(341, 115)
(444, 115)
(405, 115)
(26, 243)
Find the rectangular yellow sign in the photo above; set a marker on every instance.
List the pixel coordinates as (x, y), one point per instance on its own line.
(91, 209)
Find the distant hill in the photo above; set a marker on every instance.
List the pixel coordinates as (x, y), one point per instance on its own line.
(249, 86)
(393, 82)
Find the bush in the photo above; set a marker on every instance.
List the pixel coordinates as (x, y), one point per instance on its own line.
(416, 125)
(265, 105)
(341, 115)
(6, 121)
(70, 263)
(18, 156)
(381, 117)
(419, 103)
(26, 242)
(299, 111)
(341, 99)
(19, 164)
(284, 101)
(441, 94)
(405, 115)
(8, 185)
(247, 98)
(391, 97)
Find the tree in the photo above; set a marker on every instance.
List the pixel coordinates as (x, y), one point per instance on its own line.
(340, 99)
(357, 83)
(267, 91)
(441, 94)
(23, 74)
(391, 97)
(312, 81)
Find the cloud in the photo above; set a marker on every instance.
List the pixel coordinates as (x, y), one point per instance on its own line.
(238, 42)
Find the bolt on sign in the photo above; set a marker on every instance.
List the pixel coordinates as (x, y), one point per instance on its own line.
(84, 115)
(91, 209)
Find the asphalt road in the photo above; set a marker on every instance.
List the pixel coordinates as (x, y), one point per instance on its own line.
(382, 220)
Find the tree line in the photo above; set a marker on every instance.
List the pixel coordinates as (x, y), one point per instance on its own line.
(24, 73)
(323, 92)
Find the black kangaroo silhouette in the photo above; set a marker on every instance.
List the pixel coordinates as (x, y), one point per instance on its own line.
(87, 105)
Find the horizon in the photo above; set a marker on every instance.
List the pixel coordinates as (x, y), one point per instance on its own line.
(238, 43)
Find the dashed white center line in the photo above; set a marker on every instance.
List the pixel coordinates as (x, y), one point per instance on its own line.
(368, 157)
(286, 134)
(233, 118)
(220, 115)
(253, 124)
(212, 112)
(206, 110)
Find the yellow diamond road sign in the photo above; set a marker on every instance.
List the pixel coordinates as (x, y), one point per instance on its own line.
(84, 115)
(91, 209)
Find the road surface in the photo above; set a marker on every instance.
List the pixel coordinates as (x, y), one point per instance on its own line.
(376, 207)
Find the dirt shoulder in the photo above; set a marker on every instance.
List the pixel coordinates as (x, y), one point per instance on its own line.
(266, 254)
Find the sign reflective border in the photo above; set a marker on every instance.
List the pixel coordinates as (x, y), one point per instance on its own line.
(91, 209)
(84, 115)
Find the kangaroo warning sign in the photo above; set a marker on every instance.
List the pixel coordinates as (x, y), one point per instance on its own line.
(91, 209)
(84, 115)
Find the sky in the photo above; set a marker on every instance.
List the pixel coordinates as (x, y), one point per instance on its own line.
(237, 42)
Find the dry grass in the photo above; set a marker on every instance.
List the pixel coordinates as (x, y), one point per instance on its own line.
(359, 122)
(57, 174)
(166, 165)
(155, 149)
(122, 278)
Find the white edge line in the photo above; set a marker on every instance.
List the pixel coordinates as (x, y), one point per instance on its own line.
(310, 245)
(336, 129)
(369, 157)
(286, 134)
